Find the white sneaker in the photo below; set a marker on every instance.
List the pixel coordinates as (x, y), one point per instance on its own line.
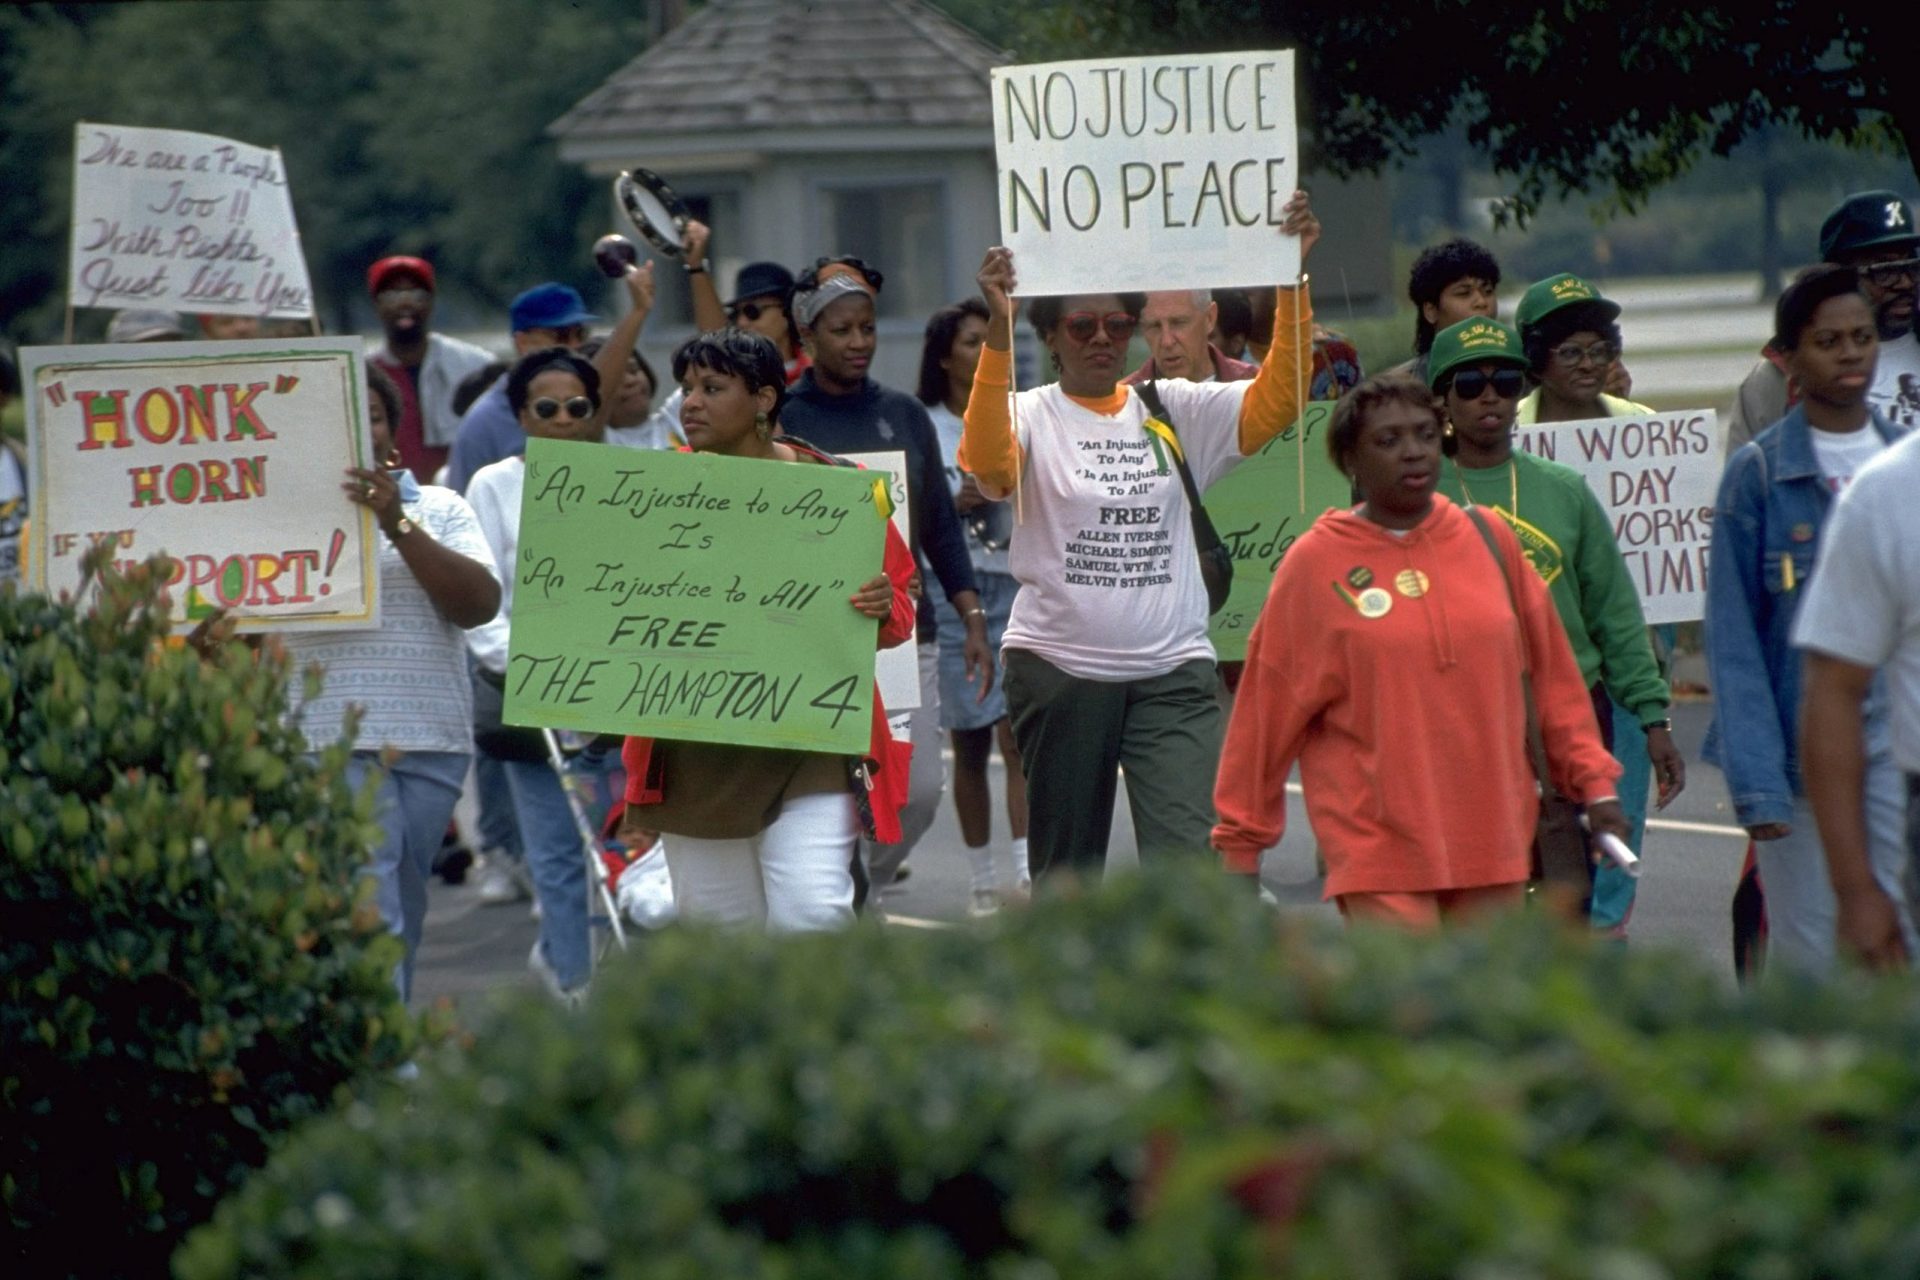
(537, 961)
(986, 902)
(504, 881)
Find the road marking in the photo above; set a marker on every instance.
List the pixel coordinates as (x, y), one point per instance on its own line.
(917, 922)
(1654, 824)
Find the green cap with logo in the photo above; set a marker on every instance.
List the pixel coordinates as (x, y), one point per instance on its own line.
(1556, 293)
(1474, 341)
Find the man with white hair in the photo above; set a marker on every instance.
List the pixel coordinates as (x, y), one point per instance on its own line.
(1176, 324)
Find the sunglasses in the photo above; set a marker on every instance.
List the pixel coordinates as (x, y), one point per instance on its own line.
(546, 408)
(1570, 355)
(751, 311)
(1888, 274)
(1082, 325)
(1507, 384)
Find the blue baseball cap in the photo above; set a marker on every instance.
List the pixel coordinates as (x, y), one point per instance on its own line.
(549, 306)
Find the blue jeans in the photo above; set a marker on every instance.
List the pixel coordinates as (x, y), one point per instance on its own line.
(413, 804)
(557, 863)
(499, 827)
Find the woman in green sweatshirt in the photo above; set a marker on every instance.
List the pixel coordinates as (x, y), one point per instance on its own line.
(1478, 369)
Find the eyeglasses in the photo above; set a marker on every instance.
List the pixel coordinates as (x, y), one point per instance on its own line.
(1082, 325)
(751, 311)
(1572, 354)
(577, 407)
(416, 296)
(1888, 274)
(1472, 384)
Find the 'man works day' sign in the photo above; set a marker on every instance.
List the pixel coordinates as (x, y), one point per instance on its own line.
(1656, 476)
(1147, 173)
(684, 596)
(226, 457)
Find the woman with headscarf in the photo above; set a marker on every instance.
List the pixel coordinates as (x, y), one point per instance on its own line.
(1389, 662)
(1106, 660)
(754, 835)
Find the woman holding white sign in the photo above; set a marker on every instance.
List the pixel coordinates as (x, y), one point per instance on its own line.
(1107, 661)
(409, 676)
(761, 836)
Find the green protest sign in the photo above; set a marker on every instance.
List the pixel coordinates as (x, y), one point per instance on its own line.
(686, 596)
(1260, 507)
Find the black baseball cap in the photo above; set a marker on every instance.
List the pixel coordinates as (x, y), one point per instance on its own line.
(1867, 220)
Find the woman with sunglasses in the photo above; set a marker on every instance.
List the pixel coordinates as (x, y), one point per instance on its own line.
(555, 393)
(1571, 336)
(1478, 369)
(1388, 664)
(837, 406)
(1107, 661)
(757, 836)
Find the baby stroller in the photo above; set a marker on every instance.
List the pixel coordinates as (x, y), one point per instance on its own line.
(624, 880)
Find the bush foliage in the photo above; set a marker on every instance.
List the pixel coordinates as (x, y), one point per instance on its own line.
(184, 970)
(1161, 1080)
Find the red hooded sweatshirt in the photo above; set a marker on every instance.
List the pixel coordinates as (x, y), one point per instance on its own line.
(1389, 667)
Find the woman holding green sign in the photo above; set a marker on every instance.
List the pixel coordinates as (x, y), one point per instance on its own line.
(1107, 661)
(756, 835)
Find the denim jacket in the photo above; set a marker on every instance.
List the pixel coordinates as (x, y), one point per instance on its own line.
(1767, 523)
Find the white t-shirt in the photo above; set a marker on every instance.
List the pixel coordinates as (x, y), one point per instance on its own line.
(1863, 599)
(409, 675)
(495, 495)
(1895, 392)
(997, 521)
(13, 513)
(1841, 454)
(1110, 585)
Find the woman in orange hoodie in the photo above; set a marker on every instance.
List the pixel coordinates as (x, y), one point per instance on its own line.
(1388, 662)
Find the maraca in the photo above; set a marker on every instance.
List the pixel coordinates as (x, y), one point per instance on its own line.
(615, 255)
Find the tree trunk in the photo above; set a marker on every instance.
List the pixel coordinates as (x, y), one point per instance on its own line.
(1773, 182)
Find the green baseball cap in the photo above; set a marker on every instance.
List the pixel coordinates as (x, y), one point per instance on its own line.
(1556, 292)
(1479, 340)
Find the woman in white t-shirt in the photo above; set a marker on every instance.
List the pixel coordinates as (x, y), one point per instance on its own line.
(408, 677)
(1107, 661)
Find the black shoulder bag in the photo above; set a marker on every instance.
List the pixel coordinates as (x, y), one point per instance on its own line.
(1216, 561)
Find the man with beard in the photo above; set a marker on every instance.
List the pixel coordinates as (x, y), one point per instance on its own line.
(426, 366)
(1872, 232)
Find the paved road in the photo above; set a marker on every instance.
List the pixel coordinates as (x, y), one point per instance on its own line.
(1691, 859)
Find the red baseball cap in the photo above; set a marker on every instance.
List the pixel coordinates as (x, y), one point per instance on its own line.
(419, 268)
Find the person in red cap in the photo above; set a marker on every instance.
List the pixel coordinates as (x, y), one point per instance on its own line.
(426, 366)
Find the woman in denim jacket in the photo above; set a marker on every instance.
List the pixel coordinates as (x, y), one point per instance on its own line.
(1773, 504)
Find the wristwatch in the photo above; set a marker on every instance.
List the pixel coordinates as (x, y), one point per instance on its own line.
(696, 268)
(1662, 723)
(401, 529)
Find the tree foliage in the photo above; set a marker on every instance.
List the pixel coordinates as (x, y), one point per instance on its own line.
(1611, 98)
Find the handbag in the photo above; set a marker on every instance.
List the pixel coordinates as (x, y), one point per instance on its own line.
(1562, 859)
(1216, 561)
(491, 735)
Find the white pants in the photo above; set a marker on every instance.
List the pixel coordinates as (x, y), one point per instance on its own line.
(795, 876)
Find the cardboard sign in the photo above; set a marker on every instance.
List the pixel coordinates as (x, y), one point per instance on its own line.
(1260, 508)
(1656, 476)
(897, 669)
(1147, 173)
(183, 222)
(691, 597)
(227, 457)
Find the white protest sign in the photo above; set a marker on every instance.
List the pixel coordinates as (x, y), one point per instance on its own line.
(1656, 477)
(228, 457)
(897, 669)
(1147, 173)
(183, 222)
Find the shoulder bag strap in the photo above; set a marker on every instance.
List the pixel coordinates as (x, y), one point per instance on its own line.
(1536, 741)
(1204, 534)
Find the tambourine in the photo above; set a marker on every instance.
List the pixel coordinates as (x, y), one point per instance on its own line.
(658, 214)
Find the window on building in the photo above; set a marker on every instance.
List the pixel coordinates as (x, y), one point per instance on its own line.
(902, 230)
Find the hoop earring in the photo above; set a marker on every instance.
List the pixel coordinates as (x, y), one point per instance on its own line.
(762, 427)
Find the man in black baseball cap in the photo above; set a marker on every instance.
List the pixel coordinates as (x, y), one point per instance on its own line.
(1874, 233)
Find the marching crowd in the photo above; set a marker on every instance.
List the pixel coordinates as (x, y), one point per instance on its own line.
(1457, 664)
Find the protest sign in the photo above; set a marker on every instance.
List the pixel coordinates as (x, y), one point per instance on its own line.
(1147, 173)
(693, 597)
(183, 222)
(228, 457)
(1656, 476)
(897, 669)
(1260, 508)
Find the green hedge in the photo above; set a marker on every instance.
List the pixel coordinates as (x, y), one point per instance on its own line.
(1162, 1080)
(184, 969)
